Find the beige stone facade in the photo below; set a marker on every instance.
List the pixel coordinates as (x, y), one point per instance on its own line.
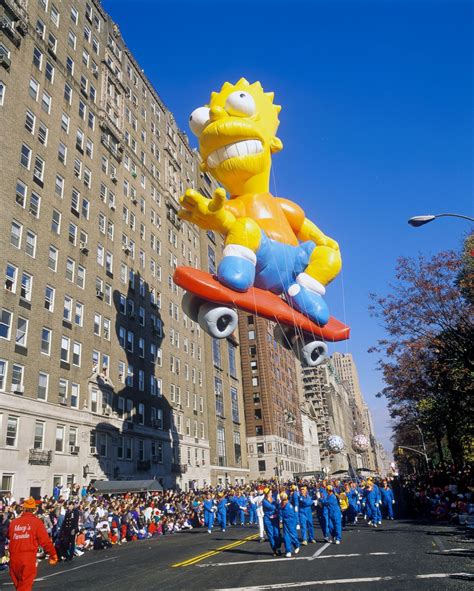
(101, 374)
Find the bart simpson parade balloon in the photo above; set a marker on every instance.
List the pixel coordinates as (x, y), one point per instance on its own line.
(269, 242)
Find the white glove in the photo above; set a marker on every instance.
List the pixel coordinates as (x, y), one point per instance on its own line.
(315, 503)
(393, 502)
(298, 526)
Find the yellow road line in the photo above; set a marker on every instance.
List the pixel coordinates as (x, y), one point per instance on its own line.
(210, 553)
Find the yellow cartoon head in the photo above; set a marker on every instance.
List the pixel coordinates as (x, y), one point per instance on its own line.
(237, 136)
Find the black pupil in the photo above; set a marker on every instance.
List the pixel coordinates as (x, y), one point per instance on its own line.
(242, 95)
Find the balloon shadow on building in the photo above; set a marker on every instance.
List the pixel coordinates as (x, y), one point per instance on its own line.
(136, 439)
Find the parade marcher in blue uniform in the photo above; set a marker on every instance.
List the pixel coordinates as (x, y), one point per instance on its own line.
(322, 510)
(209, 512)
(353, 498)
(232, 508)
(370, 501)
(334, 515)
(306, 504)
(387, 500)
(242, 506)
(295, 501)
(289, 521)
(271, 521)
(222, 511)
(378, 504)
(252, 508)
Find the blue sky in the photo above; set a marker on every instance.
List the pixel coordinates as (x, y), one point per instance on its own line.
(376, 121)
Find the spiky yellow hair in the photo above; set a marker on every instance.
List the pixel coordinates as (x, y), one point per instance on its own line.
(264, 100)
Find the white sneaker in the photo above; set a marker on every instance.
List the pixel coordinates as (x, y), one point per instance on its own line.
(375, 525)
(288, 554)
(223, 531)
(337, 542)
(209, 531)
(297, 550)
(379, 522)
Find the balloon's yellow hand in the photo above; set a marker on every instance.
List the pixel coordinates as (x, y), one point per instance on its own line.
(209, 214)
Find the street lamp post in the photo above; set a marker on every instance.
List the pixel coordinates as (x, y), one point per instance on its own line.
(421, 220)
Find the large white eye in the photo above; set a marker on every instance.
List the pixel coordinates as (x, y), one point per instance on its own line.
(240, 103)
(198, 120)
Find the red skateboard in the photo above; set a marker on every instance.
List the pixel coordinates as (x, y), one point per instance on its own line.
(214, 306)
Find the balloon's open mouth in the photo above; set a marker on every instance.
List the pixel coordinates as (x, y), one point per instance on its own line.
(242, 148)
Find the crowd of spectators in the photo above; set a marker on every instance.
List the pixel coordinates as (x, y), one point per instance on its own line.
(443, 494)
(78, 519)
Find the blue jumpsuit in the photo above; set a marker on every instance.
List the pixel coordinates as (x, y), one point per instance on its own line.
(353, 498)
(294, 500)
(387, 501)
(306, 517)
(222, 512)
(271, 524)
(371, 509)
(322, 513)
(252, 512)
(209, 513)
(378, 502)
(289, 519)
(233, 508)
(334, 516)
(242, 506)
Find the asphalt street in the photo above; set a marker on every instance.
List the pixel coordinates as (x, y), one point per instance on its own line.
(399, 555)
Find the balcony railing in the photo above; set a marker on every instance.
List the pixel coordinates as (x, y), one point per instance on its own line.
(40, 457)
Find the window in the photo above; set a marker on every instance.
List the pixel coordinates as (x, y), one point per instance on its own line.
(67, 93)
(49, 298)
(37, 58)
(43, 134)
(12, 431)
(221, 455)
(56, 222)
(45, 341)
(3, 374)
(33, 89)
(25, 156)
(71, 39)
(62, 153)
(261, 465)
(65, 121)
(219, 396)
(17, 376)
(39, 435)
(237, 448)
(74, 15)
(42, 391)
(232, 364)
(26, 286)
(67, 308)
(75, 395)
(76, 354)
(46, 102)
(52, 43)
(54, 15)
(2, 93)
(21, 331)
(70, 264)
(235, 404)
(81, 277)
(72, 233)
(79, 314)
(216, 352)
(35, 201)
(20, 193)
(38, 172)
(49, 72)
(15, 234)
(65, 344)
(59, 186)
(60, 438)
(11, 274)
(30, 122)
(5, 324)
(70, 65)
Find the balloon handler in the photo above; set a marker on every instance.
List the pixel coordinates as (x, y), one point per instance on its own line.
(269, 242)
(26, 533)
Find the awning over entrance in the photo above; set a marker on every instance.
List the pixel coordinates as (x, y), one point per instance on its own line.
(111, 487)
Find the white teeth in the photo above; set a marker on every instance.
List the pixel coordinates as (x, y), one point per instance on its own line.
(242, 148)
